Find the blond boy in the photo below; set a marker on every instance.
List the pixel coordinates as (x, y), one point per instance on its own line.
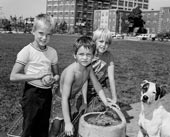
(36, 64)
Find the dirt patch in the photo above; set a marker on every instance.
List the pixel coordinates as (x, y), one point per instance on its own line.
(108, 118)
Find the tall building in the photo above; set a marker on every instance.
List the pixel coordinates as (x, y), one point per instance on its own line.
(62, 10)
(80, 13)
(157, 21)
(1, 12)
(115, 20)
(129, 4)
(164, 20)
(151, 19)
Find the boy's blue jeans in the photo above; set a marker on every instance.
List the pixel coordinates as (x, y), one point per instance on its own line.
(36, 106)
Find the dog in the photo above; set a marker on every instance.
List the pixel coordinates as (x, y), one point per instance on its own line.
(154, 119)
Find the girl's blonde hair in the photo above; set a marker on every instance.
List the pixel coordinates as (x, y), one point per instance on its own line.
(102, 33)
(47, 19)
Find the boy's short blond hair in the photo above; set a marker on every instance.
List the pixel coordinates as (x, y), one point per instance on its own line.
(102, 33)
(47, 19)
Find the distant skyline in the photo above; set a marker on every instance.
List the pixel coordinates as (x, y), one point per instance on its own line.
(27, 8)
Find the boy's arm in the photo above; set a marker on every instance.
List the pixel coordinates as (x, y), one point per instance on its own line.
(55, 71)
(68, 80)
(55, 67)
(56, 77)
(17, 74)
(98, 87)
(112, 81)
(84, 92)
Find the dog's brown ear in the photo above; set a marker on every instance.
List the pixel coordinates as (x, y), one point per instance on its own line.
(143, 83)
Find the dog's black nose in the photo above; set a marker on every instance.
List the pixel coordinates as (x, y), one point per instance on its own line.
(145, 98)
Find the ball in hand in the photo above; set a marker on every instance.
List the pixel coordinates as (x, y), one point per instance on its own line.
(46, 80)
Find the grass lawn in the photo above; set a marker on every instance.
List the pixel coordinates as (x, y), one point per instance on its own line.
(134, 62)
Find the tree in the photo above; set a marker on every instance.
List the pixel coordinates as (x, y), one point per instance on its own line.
(20, 24)
(63, 27)
(31, 20)
(14, 22)
(6, 24)
(135, 20)
(28, 24)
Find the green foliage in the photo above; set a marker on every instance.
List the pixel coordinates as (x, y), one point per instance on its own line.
(6, 25)
(63, 27)
(17, 24)
(135, 19)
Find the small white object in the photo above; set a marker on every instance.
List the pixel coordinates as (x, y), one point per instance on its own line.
(46, 80)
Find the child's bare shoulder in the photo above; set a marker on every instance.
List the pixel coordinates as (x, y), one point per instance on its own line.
(68, 71)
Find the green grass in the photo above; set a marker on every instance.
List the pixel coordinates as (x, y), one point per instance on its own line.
(134, 62)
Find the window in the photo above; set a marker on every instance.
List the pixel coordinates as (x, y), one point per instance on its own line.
(121, 3)
(66, 13)
(155, 14)
(130, 4)
(126, 3)
(120, 8)
(145, 6)
(140, 5)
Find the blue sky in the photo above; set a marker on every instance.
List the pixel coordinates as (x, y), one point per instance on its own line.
(27, 8)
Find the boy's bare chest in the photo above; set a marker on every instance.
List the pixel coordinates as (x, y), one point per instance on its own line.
(81, 77)
(79, 80)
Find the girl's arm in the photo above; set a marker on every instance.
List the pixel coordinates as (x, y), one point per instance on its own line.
(112, 81)
(98, 87)
(84, 92)
(17, 74)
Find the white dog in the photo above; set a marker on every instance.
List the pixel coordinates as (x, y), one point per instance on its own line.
(157, 124)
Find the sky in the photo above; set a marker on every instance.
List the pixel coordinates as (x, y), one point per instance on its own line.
(25, 8)
(30, 8)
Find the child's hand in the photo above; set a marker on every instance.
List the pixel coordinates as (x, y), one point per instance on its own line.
(69, 129)
(83, 108)
(112, 103)
(48, 80)
(56, 77)
(113, 100)
(54, 81)
(55, 87)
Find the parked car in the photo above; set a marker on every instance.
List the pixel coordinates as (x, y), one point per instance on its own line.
(164, 36)
(142, 36)
(119, 36)
(146, 36)
(113, 34)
